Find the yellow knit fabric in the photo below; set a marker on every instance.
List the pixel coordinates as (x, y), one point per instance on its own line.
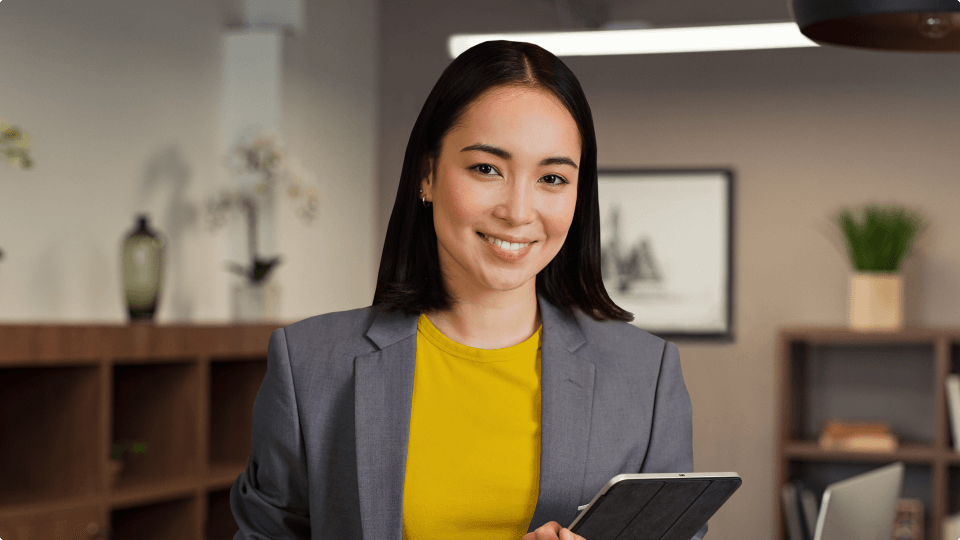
(473, 458)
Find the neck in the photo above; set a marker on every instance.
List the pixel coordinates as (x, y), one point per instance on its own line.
(491, 321)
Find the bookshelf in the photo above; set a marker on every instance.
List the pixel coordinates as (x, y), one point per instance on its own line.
(895, 377)
(68, 392)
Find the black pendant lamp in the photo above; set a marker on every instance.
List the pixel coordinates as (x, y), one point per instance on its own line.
(896, 25)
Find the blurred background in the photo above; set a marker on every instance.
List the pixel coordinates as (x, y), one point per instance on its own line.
(128, 110)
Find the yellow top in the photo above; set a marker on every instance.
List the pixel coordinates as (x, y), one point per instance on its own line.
(473, 458)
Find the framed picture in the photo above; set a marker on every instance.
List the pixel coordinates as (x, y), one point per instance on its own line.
(667, 249)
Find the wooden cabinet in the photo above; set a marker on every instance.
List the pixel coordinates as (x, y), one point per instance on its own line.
(77, 523)
(184, 393)
(893, 377)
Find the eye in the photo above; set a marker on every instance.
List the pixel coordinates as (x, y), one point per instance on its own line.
(555, 180)
(485, 169)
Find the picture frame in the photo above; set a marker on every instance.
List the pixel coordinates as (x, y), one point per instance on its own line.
(667, 249)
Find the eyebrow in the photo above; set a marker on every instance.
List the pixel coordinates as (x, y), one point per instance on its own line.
(503, 154)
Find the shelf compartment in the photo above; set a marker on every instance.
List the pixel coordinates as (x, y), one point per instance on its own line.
(49, 427)
(159, 521)
(893, 383)
(220, 524)
(954, 365)
(157, 404)
(233, 389)
(917, 481)
(952, 505)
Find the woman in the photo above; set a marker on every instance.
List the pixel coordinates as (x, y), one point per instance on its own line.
(493, 386)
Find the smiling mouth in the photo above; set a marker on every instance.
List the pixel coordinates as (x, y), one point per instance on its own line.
(502, 244)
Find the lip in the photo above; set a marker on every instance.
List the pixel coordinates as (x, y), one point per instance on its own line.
(506, 238)
(506, 254)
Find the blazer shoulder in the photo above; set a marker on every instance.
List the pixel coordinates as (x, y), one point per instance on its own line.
(342, 330)
(616, 331)
(621, 341)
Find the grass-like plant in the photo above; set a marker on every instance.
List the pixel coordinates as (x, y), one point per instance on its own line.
(881, 241)
(121, 448)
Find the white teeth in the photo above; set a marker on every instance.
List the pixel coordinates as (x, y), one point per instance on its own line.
(505, 245)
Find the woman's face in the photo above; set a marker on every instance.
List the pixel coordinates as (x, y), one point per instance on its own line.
(505, 190)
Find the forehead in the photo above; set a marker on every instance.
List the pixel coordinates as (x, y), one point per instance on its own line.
(503, 108)
(502, 94)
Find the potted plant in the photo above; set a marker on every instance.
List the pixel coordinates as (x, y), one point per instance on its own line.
(877, 246)
(254, 298)
(121, 449)
(15, 147)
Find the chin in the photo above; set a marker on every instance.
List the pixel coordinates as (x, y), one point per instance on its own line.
(508, 284)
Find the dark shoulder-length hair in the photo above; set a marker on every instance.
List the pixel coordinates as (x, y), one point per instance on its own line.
(410, 278)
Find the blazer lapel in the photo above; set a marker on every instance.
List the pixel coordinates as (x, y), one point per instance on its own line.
(383, 389)
(566, 386)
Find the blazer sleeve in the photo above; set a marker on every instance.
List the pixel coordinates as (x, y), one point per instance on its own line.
(269, 499)
(671, 434)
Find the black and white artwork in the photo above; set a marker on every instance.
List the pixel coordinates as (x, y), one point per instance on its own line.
(666, 249)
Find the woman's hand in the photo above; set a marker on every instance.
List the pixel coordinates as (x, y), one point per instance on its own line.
(552, 531)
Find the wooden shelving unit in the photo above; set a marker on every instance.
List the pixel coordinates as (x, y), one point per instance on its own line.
(894, 377)
(68, 392)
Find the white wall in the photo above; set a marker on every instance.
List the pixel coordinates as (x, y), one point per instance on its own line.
(121, 100)
(329, 110)
(805, 130)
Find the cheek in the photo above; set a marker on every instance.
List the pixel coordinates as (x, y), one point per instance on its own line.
(458, 207)
(561, 216)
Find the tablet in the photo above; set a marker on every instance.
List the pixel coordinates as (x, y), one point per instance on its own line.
(655, 506)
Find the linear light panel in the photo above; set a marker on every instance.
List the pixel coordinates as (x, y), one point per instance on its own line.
(651, 40)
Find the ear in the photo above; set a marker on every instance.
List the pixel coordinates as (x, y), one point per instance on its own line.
(427, 179)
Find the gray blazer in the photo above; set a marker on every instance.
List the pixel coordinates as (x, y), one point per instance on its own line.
(331, 419)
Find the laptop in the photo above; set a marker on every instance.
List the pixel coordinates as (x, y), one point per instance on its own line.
(863, 507)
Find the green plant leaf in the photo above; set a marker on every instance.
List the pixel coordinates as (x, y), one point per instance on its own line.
(884, 239)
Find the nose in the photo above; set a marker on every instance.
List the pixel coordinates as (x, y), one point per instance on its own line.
(516, 206)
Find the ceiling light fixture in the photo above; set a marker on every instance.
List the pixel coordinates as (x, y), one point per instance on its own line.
(734, 37)
(898, 25)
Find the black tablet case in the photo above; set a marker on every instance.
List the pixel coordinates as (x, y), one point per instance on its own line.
(673, 510)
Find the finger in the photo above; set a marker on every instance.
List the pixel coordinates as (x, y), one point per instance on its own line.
(548, 531)
(565, 534)
(551, 526)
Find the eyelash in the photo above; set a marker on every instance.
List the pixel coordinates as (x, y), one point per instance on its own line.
(560, 183)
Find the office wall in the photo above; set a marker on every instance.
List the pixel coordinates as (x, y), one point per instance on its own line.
(805, 130)
(121, 101)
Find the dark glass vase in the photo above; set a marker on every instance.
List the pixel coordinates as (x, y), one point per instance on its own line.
(142, 260)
